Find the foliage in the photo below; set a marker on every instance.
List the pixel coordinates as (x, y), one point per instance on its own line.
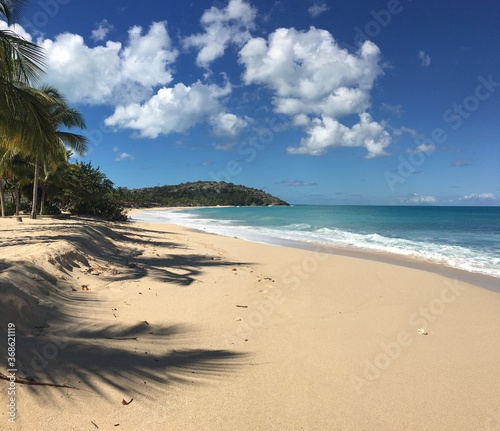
(10, 208)
(51, 210)
(201, 193)
(91, 193)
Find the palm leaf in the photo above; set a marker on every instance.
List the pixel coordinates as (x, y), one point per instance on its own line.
(11, 9)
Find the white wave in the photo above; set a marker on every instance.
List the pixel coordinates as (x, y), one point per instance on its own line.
(454, 256)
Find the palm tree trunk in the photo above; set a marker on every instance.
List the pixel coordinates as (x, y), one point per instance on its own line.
(42, 200)
(2, 197)
(17, 192)
(35, 188)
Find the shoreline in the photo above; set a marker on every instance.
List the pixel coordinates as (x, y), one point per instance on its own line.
(483, 280)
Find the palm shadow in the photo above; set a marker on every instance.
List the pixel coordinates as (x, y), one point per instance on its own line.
(56, 345)
(119, 357)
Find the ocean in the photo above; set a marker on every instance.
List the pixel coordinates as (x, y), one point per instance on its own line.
(466, 238)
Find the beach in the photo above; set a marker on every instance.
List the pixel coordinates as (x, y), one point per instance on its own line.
(156, 326)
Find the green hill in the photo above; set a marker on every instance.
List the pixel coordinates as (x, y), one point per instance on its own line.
(200, 193)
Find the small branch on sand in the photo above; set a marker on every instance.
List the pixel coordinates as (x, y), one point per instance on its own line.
(34, 382)
(121, 338)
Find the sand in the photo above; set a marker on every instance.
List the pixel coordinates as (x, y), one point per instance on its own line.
(201, 332)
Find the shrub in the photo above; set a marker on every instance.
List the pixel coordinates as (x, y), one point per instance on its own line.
(92, 193)
(51, 210)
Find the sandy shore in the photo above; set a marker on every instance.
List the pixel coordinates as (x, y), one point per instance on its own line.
(204, 332)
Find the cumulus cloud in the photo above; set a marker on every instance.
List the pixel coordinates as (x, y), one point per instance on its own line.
(171, 109)
(328, 132)
(227, 125)
(222, 27)
(424, 58)
(317, 9)
(317, 82)
(17, 29)
(102, 30)
(111, 72)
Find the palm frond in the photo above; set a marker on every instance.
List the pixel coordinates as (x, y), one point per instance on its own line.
(20, 60)
(11, 9)
(25, 119)
(77, 143)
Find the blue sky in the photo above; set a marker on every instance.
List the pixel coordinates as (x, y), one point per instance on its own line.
(327, 102)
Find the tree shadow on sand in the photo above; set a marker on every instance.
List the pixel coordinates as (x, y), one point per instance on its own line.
(56, 345)
(131, 360)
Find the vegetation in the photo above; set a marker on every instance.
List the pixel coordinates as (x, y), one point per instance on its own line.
(201, 193)
(92, 193)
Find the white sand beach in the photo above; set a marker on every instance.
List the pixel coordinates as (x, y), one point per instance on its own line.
(157, 327)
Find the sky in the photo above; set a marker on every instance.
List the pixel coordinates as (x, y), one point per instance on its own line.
(316, 101)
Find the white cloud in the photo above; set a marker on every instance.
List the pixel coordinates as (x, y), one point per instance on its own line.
(311, 75)
(317, 9)
(328, 132)
(423, 148)
(478, 196)
(301, 120)
(221, 28)
(171, 109)
(17, 29)
(309, 72)
(120, 157)
(227, 125)
(110, 73)
(409, 131)
(102, 30)
(424, 58)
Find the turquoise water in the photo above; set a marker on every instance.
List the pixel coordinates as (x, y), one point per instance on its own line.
(467, 238)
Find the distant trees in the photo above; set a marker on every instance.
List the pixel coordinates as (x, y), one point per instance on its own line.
(92, 193)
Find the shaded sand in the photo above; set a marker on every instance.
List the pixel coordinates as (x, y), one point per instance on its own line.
(212, 333)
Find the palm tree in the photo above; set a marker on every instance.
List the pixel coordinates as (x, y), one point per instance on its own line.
(21, 64)
(3, 169)
(48, 150)
(52, 173)
(17, 170)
